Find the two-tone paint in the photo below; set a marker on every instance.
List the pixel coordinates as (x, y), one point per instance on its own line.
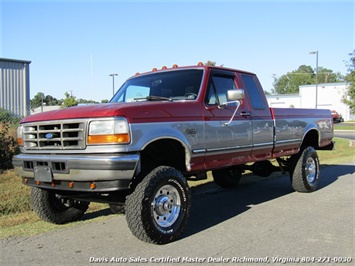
(255, 134)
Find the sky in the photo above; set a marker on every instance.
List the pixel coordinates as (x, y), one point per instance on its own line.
(75, 46)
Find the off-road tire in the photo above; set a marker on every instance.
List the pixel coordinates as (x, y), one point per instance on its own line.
(49, 207)
(227, 178)
(158, 209)
(305, 173)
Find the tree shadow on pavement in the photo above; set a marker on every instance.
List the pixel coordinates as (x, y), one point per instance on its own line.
(212, 205)
(95, 214)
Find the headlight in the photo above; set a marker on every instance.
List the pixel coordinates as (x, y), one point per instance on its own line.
(20, 135)
(109, 132)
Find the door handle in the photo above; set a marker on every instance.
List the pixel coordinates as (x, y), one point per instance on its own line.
(247, 114)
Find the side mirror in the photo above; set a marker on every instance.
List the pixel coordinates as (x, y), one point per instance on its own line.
(235, 95)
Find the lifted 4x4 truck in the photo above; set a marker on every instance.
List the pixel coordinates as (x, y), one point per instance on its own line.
(159, 130)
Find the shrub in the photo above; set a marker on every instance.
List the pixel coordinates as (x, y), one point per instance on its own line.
(8, 145)
(8, 139)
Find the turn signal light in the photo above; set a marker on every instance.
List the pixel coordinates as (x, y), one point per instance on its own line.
(38, 183)
(20, 141)
(92, 185)
(25, 180)
(71, 184)
(115, 138)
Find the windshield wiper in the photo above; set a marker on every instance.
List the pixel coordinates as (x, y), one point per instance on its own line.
(154, 98)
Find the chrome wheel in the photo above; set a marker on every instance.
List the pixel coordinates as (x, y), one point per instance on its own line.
(158, 209)
(166, 206)
(310, 170)
(305, 170)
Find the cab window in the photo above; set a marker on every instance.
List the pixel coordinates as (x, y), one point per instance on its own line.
(253, 92)
(217, 90)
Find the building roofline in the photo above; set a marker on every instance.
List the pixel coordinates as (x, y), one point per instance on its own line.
(14, 60)
(326, 84)
(283, 96)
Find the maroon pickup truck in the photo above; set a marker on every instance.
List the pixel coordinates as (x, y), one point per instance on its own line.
(161, 129)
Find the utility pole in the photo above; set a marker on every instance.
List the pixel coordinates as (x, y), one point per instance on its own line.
(316, 53)
(113, 83)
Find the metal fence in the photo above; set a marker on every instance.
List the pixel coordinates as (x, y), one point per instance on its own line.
(9, 118)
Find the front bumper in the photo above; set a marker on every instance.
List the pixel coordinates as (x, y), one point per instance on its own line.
(77, 172)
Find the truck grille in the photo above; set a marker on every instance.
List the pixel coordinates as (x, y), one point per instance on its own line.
(54, 135)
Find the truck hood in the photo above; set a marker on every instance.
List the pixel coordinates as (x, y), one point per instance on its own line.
(132, 111)
(86, 111)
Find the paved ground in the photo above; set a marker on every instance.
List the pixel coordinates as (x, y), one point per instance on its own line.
(262, 220)
(346, 134)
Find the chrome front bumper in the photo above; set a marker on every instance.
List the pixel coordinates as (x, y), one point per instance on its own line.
(112, 171)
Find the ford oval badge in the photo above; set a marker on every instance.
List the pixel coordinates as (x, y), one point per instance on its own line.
(49, 136)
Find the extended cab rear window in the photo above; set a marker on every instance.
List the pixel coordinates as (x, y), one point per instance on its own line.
(253, 92)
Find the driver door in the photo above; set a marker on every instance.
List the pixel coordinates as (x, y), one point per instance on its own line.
(225, 144)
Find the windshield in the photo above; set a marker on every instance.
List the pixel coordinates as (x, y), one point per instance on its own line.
(171, 85)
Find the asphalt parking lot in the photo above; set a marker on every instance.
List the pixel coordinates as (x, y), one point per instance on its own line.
(264, 221)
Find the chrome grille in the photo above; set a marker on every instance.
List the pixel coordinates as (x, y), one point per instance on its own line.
(54, 135)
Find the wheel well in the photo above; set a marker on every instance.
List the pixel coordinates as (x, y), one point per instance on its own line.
(166, 152)
(311, 139)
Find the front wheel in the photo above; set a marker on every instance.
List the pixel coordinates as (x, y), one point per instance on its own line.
(157, 210)
(305, 175)
(50, 207)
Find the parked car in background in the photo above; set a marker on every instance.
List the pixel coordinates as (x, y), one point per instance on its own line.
(337, 118)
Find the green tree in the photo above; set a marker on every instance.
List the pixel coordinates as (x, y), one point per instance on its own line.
(289, 83)
(50, 100)
(86, 101)
(104, 101)
(40, 99)
(349, 97)
(69, 101)
(210, 63)
(37, 100)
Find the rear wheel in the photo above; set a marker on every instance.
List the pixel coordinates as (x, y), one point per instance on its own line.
(50, 207)
(305, 175)
(227, 178)
(157, 210)
(117, 208)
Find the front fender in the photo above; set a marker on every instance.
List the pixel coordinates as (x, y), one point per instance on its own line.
(189, 136)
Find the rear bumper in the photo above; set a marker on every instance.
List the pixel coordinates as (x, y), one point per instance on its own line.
(108, 172)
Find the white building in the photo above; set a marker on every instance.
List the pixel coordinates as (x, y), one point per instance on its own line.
(329, 96)
(44, 108)
(284, 100)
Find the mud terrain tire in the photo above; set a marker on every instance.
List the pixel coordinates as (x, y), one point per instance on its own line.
(50, 208)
